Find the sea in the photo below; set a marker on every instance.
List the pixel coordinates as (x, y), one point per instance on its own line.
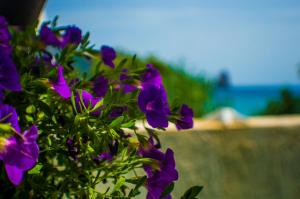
(251, 99)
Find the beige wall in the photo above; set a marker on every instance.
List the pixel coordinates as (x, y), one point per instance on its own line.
(238, 164)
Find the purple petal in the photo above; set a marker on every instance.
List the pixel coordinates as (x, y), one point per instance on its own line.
(128, 88)
(87, 98)
(151, 77)
(61, 86)
(9, 77)
(157, 120)
(105, 156)
(186, 118)
(72, 36)
(152, 101)
(5, 35)
(147, 95)
(23, 154)
(14, 174)
(32, 134)
(100, 86)
(108, 55)
(49, 37)
(117, 111)
(11, 116)
(29, 156)
(169, 165)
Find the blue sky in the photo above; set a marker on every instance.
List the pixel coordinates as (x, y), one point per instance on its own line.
(257, 41)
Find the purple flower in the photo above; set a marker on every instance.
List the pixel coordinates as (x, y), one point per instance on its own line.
(4, 35)
(49, 37)
(186, 118)
(153, 102)
(127, 88)
(104, 156)
(46, 59)
(108, 55)
(100, 86)
(158, 179)
(19, 154)
(72, 149)
(151, 77)
(9, 115)
(74, 82)
(61, 86)
(108, 155)
(117, 111)
(9, 77)
(88, 100)
(72, 36)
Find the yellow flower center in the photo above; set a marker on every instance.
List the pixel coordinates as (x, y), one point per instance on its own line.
(2, 144)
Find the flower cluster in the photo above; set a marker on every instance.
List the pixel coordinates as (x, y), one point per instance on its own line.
(158, 179)
(9, 77)
(87, 122)
(20, 151)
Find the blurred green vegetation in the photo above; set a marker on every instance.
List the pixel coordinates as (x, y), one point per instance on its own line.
(287, 104)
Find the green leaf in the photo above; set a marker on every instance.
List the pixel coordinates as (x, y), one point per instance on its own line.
(119, 184)
(100, 103)
(114, 133)
(30, 109)
(167, 191)
(121, 64)
(129, 124)
(192, 192)
(116, 122)
(138, 183)
(90, 149)
(73, 102)
(36, 169)
(5, 127)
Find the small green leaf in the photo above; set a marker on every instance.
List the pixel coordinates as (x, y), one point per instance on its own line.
(117, 122)
(90, 149)
(114, 133)
(121, 64)
(73, 102)
(5, 127)
(36, 169)
(100, 103)
(119, 184)
(138, 183)
(49, 141)
(129, 124)
(30, 109)
(192, 192)
(167, 191)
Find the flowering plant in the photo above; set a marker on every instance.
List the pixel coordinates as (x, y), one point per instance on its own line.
(69, 135)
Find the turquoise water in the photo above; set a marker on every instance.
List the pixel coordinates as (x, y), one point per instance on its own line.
(250, 100)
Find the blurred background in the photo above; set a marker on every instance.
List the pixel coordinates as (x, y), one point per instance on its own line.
(233, 62)
(239, 54)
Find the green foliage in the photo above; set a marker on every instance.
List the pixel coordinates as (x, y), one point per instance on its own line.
(167, 191)
(192, 192)
(287, 104)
